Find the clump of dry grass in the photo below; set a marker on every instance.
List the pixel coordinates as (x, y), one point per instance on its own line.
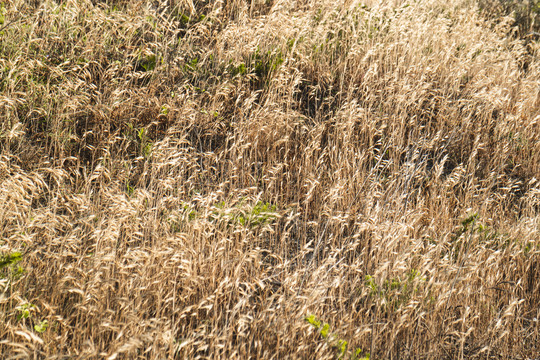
(195, 179)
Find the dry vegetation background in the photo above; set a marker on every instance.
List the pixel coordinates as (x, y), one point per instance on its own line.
(268, 179)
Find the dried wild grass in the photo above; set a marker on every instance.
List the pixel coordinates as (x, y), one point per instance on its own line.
(187, 186)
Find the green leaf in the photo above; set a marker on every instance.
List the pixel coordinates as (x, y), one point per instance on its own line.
(342, 346)
(24, 311)
(42, 326)
(313, 321)
(141, 134)
(325, 330)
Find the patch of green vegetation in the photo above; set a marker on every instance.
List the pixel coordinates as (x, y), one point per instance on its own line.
(179, 219)
(10, 259)
(25, 311)
(466, 224)
(141, 140)
(335, 341)
(265, 64)
(3, 12)
(42, 326)
(186, 20)
(149, 62)
(293, 41)
(192, 65)
(257, 216)
(129, 189)
(396, 292)
(9, 267)
(260, 214)
(145, 143)
(189, 213)
(261, 64)
(10, 270)
(235, 70)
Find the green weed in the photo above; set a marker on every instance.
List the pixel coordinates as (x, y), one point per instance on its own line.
(192, 65)
(129, 189)
(9, 268)
(41, 326)
(3, 12)
(265, 64)
(25, 311)
(235, 70)
(140, 139)
(258, 215)
(262, 64)
(10, 259)
(148, 63)
(396, 292)
(335, 341)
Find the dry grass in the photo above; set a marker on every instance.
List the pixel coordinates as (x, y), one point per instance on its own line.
(182, 186)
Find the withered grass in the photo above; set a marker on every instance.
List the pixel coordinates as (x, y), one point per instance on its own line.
(193, 179)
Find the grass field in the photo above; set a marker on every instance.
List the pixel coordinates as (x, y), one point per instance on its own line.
(261, 179)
